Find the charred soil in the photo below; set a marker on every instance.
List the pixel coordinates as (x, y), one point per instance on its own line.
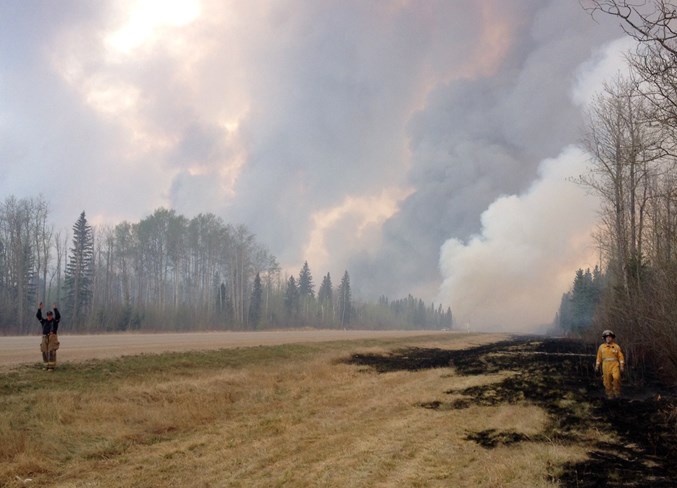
(558, 376)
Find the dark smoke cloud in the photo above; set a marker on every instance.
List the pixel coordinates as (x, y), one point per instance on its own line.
(478, 139)
(359, 135)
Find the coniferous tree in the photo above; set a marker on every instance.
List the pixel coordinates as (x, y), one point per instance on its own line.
(291, 298)
(633, 129)
(166, 272)
(79, 270)
(326, 292)
(306, 286)
(306, 289)
(256, 302)
(419, 315)
(345, 307)
(325, 297)
(578, 306)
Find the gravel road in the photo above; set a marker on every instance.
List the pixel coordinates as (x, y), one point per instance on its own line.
(26, 349)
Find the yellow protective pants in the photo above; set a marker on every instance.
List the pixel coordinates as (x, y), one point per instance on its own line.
(611, 377)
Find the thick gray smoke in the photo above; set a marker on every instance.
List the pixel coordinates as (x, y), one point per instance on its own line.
(506, 277)
(357, 135)
(477, 139)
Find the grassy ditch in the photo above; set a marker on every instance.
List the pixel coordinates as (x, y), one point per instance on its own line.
(445, 411)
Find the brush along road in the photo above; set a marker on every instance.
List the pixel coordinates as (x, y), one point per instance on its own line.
(25, 349)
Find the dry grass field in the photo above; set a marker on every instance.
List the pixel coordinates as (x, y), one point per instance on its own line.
(289, 415)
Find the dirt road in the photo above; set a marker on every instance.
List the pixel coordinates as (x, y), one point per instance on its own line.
(26, 349)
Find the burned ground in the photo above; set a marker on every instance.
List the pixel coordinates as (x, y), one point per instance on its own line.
(558, 375)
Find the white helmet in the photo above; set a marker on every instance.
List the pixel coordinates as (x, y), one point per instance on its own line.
(608, 333)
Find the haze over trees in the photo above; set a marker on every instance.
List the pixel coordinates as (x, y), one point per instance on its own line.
(167, 272)
(632, 137)
(578, 306)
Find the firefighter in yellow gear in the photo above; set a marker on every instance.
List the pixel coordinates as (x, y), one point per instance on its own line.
(610, 356)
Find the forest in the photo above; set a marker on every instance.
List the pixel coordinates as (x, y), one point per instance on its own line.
(169, 273)
(631, 135)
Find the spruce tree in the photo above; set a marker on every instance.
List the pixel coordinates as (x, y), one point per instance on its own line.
(326, 292)
(306, 286)
(578, 306)
(325, 297)
(291, 298)
(306, 290)
(344, 301)
(79, 270)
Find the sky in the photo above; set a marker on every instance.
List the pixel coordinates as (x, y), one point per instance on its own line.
(425, 146)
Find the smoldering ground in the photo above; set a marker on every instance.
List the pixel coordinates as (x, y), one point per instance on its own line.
(558, 376)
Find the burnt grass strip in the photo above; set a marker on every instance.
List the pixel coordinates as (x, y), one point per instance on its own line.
(558, 375)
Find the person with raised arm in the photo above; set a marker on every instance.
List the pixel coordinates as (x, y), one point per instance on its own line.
(50, 339)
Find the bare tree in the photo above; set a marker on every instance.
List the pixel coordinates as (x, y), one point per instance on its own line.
(625, 151)
(18, 241)
(61, 251)
(42, 235)
(640, 218)
(653, 24)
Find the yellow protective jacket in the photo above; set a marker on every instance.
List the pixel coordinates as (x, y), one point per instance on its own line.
(610, 352)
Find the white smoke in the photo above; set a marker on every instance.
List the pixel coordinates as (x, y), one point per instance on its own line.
(607, 63)
(511, 275)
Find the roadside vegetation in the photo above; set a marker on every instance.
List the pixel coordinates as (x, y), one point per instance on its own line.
(426, 411)
(171, 273)
(631, 135)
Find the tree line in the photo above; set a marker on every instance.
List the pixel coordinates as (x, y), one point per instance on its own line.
(577, 308)
(631, 134)
(169, 272)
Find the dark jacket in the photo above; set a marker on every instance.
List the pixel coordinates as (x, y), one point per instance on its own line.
(49, 325)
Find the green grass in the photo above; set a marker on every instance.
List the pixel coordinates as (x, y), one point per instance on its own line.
(105, 373)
